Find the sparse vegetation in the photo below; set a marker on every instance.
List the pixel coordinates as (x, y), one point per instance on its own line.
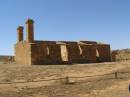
(121, 55)
(101, 86)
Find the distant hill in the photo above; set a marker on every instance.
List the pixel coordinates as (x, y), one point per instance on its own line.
(6, 58)
(118, 55)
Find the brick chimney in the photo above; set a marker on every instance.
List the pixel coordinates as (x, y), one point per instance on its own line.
(30, 30)
(20, 33)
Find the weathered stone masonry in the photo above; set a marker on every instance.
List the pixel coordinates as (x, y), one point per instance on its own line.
(34, 52)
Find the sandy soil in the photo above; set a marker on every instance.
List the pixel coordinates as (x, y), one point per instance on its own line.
(98, 86)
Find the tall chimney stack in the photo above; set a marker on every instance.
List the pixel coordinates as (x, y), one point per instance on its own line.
(30, 30)
(20, 33)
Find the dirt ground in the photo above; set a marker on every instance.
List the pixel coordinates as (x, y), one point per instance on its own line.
(33, 81)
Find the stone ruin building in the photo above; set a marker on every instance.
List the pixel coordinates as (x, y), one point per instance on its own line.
(35, 52)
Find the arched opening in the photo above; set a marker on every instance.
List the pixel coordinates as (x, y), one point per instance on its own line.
(97, 55)
(64, 53)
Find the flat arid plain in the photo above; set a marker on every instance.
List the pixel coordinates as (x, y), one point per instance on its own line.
(77, 80)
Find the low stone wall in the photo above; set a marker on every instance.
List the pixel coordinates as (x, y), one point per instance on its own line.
(5, 58)
(121, 55)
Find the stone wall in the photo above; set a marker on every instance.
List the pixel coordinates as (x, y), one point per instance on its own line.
(88, 42)
(23, 53)
(73, 52)
(88, 53)
(104, 53)
(52, 52)
(45, 53)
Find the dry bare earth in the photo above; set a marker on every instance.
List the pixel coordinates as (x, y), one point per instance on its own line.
(102, 86)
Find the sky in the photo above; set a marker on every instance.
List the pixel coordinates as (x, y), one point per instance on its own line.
(106, 21)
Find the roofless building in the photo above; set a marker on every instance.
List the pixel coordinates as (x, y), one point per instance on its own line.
(34, 52)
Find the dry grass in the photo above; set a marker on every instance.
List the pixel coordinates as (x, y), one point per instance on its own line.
(91, 87)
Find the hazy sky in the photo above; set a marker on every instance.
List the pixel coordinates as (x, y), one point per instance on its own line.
(98, 20)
